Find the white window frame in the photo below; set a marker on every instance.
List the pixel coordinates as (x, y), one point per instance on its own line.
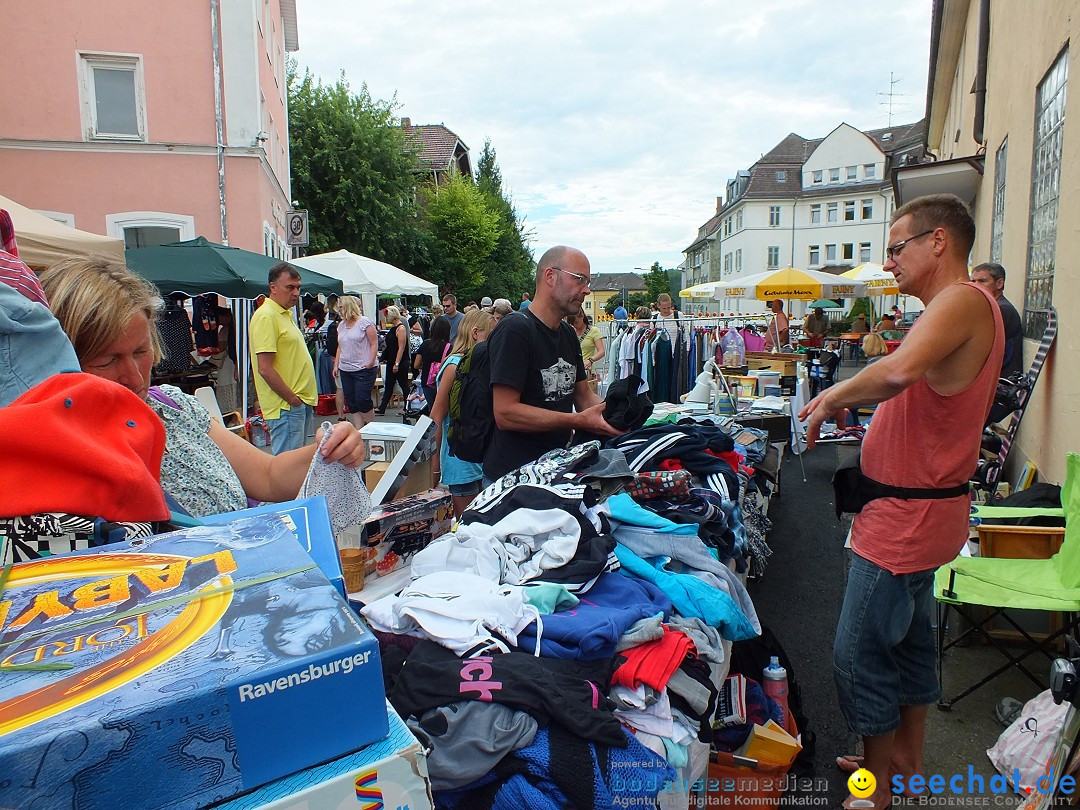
(834, 175)
(818, 176)
(772, 263)
(87, 61)
(832, 212)
(868, 204)
(830, 253)
(865, 252)
(815, 214)
(869, 171)
(849, 210)
(738, 220)
(774, 216)
(115, 224)
(815, 255)
(58, 216)
(847, 253)
(852, 172)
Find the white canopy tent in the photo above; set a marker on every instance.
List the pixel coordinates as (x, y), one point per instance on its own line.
(43, 242)
(367, 278)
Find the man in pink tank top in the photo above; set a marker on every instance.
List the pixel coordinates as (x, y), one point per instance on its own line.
(935, 392)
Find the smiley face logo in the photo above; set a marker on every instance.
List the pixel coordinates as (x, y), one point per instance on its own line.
(862, 783)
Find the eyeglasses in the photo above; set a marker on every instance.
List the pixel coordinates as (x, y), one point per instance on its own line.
(893, 250)
(583, 281)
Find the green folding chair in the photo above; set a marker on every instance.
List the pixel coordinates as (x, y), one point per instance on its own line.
(1009, 584)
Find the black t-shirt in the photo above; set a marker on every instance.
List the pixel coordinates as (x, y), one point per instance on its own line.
(430, 351)
(1013, 359)
(545, 365)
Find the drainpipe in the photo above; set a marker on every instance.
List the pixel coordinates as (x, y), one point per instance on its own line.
(219, 118)
(980, 72)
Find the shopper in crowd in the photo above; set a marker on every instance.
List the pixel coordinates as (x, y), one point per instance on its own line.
(620, 315)
(935, 391)
(501, 308)
(860, 326)
(991, 276)
(486, 303)
(816, 325)
(451, 313)
(777, 335)
(589, 338)
(356, 361)
(538, 386)
(284, 371)
(395, 358)
(462, 477)
(886, 324)
(526, 302)
(427, 360)
(108, 313)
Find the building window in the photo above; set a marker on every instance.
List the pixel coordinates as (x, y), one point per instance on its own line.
(849, 251)
(830, 253)
(148, 228)
(869, 171)
(815, 214)
(834, 212)
(738, 260)
(113, 102)
(727, 264)
(834, 175)
(781, 177)
(738, 220)
(774, 215)
(727, 227)
(864, 252)
(997, 220)
(849, 211)
(774, 257)
(815, 255)
(817, 175)
(852, 172)
(867, 209)
(1045, 193)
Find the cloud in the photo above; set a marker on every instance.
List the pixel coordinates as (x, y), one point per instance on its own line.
(617, 124)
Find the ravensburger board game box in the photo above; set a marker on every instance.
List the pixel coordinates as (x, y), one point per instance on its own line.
(178, 670)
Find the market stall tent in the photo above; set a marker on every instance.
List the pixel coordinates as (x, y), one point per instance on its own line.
(43, 242)
(367, 277)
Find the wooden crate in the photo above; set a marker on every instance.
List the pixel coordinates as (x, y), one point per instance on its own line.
(786, 364)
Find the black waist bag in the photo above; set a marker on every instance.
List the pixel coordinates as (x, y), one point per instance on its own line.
(854, 490)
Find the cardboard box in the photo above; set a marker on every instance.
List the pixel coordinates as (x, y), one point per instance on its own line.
(309, 521)
(786, 364)
(384, 439)
(417, 481)
(205, 663)
(395, 531)
(390, 773)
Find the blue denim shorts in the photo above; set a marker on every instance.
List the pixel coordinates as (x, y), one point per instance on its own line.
(464, 490)
(884, 655)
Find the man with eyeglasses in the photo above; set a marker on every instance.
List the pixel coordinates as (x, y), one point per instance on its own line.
(935, 391)
(539, 390)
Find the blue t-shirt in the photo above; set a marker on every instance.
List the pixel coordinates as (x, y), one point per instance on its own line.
(524, 305)
(621, 314)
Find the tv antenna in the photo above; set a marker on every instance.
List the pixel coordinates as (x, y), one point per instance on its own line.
(890, 97)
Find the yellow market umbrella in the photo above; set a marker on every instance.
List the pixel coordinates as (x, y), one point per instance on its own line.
(790, 283)
(877, 279)
(705, 290)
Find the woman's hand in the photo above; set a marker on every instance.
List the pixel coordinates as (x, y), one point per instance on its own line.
(345, 445)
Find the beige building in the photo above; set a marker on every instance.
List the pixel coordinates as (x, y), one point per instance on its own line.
(606, 285)
(1007, 141)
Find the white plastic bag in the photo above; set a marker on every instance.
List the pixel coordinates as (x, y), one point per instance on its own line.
(1029, 742)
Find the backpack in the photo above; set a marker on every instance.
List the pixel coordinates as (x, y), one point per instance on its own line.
(472, 420)
(332, 338)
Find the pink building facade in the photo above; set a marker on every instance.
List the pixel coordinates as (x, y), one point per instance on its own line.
(151, 123)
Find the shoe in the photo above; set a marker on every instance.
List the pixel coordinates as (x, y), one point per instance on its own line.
(1007, 710)
(379, 412)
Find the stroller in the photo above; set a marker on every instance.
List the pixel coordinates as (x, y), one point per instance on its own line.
(416, 404)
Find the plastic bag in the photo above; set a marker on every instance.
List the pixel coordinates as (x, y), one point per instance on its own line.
(1029, 742)
(733, 348)
(416, 402)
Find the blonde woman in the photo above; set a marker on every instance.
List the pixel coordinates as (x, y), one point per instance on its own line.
(873, 346)
(356, 362)
(592, 342)
(462, 477)
(396, 358)
(108, 313)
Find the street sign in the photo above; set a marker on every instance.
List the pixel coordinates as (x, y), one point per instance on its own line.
(296, 223)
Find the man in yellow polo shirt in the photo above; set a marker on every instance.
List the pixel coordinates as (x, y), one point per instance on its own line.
(284, 374)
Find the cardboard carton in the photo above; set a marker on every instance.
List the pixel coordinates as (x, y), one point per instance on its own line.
(770, 743)
(395, 531)
(202, 663)
(389, 773)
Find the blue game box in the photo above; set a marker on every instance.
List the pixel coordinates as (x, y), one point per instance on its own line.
(178, 670)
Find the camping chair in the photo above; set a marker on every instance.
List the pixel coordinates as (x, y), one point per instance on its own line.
(232, 421)
(1004, 584)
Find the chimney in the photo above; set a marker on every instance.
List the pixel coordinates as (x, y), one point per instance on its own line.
(719, 204)
(406, 122)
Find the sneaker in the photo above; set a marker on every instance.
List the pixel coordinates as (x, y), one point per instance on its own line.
(1007, 710)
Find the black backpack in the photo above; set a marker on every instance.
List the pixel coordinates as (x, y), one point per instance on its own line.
(332, 338)
(472, 420)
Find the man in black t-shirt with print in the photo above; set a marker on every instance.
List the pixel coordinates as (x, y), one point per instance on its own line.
(538, 384)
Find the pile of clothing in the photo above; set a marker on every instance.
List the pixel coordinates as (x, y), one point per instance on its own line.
(566, 644)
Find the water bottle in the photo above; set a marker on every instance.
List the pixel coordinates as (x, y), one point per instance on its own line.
(775, 685)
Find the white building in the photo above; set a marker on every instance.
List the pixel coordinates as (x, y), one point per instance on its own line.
(822, 204)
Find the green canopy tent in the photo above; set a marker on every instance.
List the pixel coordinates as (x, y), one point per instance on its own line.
(200, 266)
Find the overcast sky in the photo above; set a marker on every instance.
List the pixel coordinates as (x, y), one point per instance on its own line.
(617, 124)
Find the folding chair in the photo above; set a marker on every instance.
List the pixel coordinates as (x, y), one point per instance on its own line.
(1010, 584)
(233, 420)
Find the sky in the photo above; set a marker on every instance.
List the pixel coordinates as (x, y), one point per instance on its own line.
(616, 125)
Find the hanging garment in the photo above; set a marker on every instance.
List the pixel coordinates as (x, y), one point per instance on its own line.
(204, 324)
(176, 340)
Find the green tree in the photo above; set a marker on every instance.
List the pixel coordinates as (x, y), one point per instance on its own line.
(633, 301)
(353, 171)
(509, 270)
(464, 231)
(657, 281)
